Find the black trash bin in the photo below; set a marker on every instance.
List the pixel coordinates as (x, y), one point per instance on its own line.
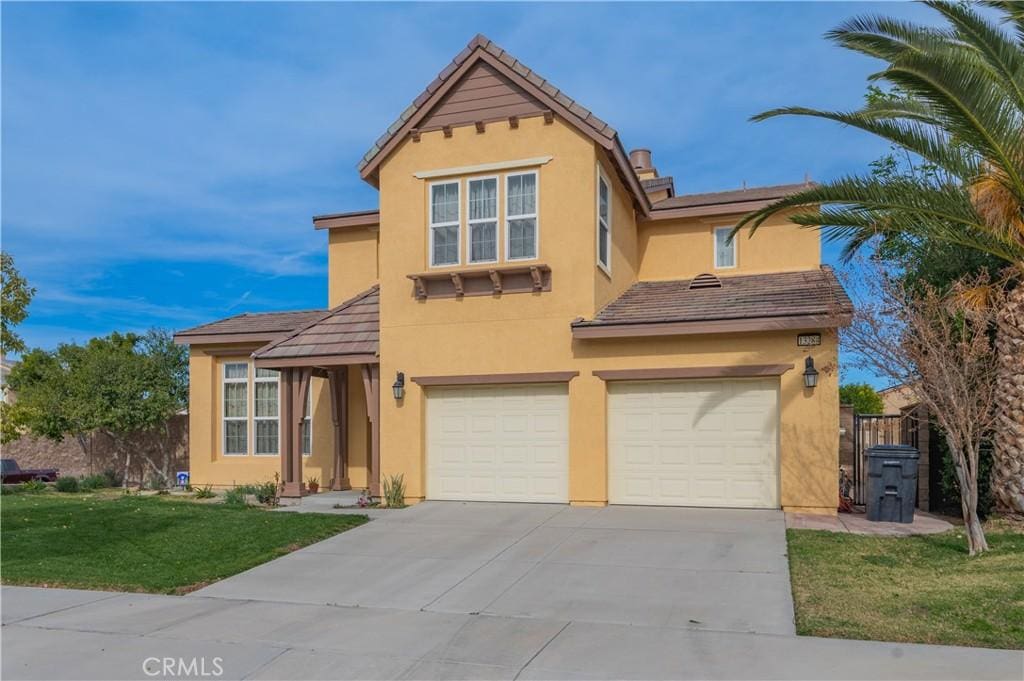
(892, 483)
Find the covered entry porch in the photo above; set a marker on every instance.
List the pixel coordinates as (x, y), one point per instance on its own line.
(339, 346)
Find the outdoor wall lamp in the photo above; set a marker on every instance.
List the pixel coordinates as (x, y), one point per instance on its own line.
(398, 387)
(810, 373)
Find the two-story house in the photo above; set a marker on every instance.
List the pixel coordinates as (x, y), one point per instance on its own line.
(534, 315)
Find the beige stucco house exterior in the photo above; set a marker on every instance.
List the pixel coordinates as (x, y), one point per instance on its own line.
(533, 315)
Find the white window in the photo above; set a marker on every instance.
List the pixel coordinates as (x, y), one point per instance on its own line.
(235, 388)
(444, 224)
(725, 249)
(307, 423)
(482, 219)
(604, 224)
(266, 414)
(521, 216)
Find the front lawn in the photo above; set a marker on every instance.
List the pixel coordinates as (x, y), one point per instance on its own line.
(912, 589)
(130, 543)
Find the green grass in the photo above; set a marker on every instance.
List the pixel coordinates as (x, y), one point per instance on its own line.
(922, 589)
(131, 543)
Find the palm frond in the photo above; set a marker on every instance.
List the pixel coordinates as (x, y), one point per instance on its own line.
(1013, 14)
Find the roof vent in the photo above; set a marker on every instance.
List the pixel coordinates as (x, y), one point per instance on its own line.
(705, 281)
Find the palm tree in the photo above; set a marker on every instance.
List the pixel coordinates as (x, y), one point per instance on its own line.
(961, 111)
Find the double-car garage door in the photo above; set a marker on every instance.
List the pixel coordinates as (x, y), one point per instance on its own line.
(672, 443)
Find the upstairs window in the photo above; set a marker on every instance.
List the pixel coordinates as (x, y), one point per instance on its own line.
(483, 220)
(604, 224)
(725, 250)
(444, 224)
(521, 216)
(235, 389)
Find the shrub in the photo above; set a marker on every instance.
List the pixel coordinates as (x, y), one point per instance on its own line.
(65, 484)
(37, 486)
(205, 493)
(157, 482)
(265, 492)
(235, 496)
(91, 482)
(394, 491)
(112, 478)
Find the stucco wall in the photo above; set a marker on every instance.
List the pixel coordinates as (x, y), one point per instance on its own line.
(679, 249)
(530, 332)
(351, 263)
(209, 465)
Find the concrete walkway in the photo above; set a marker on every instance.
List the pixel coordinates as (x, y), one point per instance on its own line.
(480, 591)
(858, 523)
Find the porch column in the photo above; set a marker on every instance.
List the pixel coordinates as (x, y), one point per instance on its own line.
(294, 386)
(289, 485)
(371, 386)
(337, 386)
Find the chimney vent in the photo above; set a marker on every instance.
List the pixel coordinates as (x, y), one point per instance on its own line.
(641, 159)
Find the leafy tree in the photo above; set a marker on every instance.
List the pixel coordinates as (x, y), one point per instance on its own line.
(863, 397)
(14, 300)
(958, 107)
(122, 385)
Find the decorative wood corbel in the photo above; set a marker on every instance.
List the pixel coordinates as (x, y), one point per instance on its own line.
(495, 280)
(457, 283)
(421, 287)
(415, 134)
(513, 122)
(480, 127)
(549, 117)
(538, 284)
(447, 130)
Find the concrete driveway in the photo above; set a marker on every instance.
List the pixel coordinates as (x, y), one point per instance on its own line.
(481, 591)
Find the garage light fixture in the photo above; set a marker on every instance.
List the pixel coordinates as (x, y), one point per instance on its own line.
(810, 373)
(398, 387)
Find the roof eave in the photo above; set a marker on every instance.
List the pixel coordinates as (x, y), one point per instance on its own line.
(590, 330)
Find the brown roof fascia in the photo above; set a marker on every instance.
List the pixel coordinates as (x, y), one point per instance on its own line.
(732, 371)
(213, 338)
(736, 207)
(315, 361)
(369, 171)
(496, 379)
(691, 328)
(362, 218)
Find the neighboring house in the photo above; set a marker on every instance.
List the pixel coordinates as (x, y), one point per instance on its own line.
(534, 315)
(896, 398)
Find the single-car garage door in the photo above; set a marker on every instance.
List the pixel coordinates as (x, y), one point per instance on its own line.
(498, 443)
(694, 443)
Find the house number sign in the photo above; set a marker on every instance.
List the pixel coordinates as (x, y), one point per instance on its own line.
(804, 340)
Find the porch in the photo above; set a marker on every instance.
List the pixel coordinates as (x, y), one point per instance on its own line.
(343, 338)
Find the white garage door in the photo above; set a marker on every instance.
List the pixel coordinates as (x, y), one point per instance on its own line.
(498, 443)
(694, 443)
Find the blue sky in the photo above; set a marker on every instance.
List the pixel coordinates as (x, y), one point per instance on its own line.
(161, 162)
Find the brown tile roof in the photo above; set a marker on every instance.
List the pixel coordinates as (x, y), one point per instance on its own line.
(484, 43)
(352, 328)
(732, 196)
(258, 324)
(783, 294)
(483, 48)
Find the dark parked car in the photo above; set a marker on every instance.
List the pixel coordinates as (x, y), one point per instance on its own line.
(11, 472)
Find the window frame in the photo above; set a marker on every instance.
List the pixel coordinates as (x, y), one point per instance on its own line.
(224, 418)
(606, 267)
(265, 379)
(307, 422)
(431, 225)
(508, 217)
(733, 246)
(470, 222)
